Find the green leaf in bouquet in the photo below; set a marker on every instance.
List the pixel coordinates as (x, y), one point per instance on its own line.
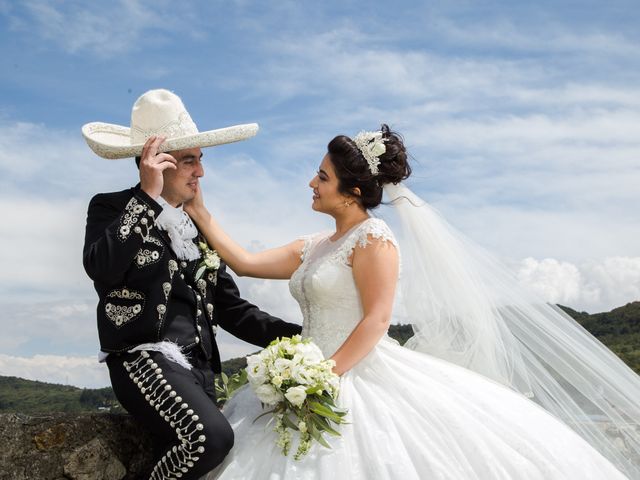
(326, 412)
(340, 412)
(219, 388)
(225, 386)
(240, 378)
(236, 381)
(328, 399)
(316, 435)
(273, 410)
(323, 424)
(314, 390)
(287, 421)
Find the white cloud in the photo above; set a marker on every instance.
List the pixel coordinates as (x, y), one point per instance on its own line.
(251, 200)
(519, 231)
(103, 29)
(523, 132)
(526, 37)
(49, 322)
(48, 164)
(350, 67)
(272, 296)
(78, 371)
(592, 286)
(355, 67)
(535, 133)
(42, 245)
(556, 282)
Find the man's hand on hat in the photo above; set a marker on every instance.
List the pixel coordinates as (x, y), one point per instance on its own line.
(152, 165)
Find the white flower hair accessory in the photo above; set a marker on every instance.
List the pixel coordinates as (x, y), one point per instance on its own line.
(371, 144)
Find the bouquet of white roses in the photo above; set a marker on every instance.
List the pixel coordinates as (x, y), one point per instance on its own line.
(292, 376)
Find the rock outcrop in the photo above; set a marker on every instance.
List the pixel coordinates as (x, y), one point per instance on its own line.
(98, 446)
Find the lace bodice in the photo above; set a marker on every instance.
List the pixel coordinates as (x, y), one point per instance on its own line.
(324, 286)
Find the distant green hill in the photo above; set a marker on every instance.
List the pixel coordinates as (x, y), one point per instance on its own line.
(618, 329)
(27, 396)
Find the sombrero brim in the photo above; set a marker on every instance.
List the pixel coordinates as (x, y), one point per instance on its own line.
(114, 141)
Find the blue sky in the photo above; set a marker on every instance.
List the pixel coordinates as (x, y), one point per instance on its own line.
(523, 120)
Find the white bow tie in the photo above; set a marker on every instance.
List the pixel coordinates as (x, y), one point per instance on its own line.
(180, 229)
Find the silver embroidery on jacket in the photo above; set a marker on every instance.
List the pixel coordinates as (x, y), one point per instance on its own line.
(134, 220)
(149, 256)
(130, 218)
(123, 305)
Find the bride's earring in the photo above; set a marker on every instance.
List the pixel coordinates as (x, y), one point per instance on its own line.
(347, 203)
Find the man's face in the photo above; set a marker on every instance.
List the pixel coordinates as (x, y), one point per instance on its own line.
(180, 185)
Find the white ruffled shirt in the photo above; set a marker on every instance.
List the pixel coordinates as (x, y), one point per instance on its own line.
(180, 228)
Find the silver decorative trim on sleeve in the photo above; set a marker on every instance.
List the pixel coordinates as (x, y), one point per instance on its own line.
(137, 218)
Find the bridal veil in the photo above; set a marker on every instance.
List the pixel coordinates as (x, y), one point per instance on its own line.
(467, 308)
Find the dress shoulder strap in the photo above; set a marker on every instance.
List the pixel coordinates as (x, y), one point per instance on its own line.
(371, 228)
(310, 241)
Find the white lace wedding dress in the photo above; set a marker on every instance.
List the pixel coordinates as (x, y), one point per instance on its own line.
(412, 416)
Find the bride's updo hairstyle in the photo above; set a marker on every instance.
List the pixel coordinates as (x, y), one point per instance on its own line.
(353, 171)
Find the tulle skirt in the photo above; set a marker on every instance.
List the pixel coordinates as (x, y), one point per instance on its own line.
(413, 416)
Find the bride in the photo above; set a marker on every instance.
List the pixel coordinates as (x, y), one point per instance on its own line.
(493, 385)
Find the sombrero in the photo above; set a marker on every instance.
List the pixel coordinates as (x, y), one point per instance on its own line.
(158, 113)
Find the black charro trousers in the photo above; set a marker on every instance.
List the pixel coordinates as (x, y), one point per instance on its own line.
(178, 407)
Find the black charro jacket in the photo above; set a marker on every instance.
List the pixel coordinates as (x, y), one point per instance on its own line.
(146, 294)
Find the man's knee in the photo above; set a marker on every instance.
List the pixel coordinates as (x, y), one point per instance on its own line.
(218, 441)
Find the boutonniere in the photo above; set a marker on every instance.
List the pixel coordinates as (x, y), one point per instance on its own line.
(210, 260)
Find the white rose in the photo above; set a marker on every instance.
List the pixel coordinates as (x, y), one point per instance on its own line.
(282, 368)
(289, 349)
(301, 374)
(256, 370)
(270, 352)
(296, 395)
(268, 394)
(276, 381)
(310, 352)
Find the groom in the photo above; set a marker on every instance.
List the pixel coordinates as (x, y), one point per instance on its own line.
(159, 302)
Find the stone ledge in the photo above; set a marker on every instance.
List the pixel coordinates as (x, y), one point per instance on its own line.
(93, 446)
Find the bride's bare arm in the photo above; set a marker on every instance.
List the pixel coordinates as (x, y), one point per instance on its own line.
(276, 263)
(375, 270)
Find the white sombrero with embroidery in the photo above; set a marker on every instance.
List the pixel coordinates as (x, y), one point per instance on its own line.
(158, 113)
